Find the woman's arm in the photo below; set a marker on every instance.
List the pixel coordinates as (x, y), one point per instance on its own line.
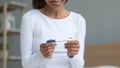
(78, 60)
(29, 59)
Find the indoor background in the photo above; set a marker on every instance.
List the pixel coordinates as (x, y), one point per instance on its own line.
(102, 37)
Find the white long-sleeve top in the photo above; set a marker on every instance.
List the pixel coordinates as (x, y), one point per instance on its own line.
(37, 28)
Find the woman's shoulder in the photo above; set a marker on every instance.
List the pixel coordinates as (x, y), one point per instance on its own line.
(77, 15)
(30, 13)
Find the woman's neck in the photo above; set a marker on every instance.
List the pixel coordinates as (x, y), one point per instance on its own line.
(58, 13)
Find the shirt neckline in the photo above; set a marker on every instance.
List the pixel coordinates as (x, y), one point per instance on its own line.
(54, 18)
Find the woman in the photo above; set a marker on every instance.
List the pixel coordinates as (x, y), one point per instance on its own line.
(51, 20)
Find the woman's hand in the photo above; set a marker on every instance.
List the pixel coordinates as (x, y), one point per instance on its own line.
(47, 49)
(72, 47)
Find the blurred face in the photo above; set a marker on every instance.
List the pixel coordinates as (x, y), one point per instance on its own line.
(55, 3)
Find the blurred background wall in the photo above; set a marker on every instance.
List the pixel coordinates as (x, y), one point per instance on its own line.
(102, 21)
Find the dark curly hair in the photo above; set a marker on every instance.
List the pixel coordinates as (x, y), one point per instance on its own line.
(37, 4)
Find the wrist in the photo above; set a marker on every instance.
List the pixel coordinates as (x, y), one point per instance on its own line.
(69, 56)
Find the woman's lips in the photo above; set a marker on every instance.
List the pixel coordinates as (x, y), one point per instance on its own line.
(55, 3)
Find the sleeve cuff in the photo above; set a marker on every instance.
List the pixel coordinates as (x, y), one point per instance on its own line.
(40, 58)
(77, 62)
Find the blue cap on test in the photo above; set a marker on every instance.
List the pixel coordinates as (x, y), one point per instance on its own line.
(48, 41)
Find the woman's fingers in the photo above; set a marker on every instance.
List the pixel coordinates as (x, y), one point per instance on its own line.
(48, 53)
(72, 47)
(47, 49)
(72, 42)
